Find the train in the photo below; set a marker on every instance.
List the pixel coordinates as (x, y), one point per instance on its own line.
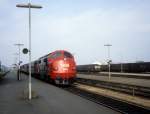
(89, 68)
(58, 67)
(138, 67)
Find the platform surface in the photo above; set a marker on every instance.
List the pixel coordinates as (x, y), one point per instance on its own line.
(51, 99)
(133, 74)
(123, 80)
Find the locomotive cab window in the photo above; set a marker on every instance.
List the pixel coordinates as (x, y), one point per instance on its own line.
(56, 55)
(39, 61)
(67, 55)
(45, 60)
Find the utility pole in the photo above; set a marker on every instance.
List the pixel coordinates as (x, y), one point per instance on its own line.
(109, 61)
(121, 67)
(0, 66)
(121, 64)
(19, 45)
(29, 5)
(16, 61)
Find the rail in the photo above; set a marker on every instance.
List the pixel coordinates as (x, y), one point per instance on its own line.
(126, 88)
(92, 93)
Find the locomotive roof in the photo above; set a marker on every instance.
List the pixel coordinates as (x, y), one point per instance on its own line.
(53, 52)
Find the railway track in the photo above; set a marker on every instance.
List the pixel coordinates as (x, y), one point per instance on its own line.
(125, 88)
(87, 92)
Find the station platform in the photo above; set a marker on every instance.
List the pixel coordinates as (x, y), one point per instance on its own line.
(128, 75)
(50, 100)
(123, 73)
(123, 80)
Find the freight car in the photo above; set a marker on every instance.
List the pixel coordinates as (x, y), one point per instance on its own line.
(89, 68)
(141, 67)
(58, 66)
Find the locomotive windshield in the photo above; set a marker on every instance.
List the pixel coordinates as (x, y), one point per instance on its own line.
(56, 55)
(67, 55)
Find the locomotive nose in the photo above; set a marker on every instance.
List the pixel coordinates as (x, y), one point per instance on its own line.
(64, 66)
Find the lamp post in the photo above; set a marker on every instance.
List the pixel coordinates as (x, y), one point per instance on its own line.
(0, 66)
(121, 67)
(19, 45)
(29, 5)
(15, 58)
(109, 61)
(121, 64)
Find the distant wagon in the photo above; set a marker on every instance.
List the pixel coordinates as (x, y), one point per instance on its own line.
(89, 68)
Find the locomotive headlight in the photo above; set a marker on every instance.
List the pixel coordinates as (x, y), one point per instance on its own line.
(66, 65)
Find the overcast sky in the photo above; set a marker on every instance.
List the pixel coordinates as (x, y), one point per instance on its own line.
(80, 26)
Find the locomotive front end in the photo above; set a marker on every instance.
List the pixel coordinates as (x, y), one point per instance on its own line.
(63, 69)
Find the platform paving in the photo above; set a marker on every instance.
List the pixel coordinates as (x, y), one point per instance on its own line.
(50, 99)
(123, 80)
(132, 74)
(127, 75)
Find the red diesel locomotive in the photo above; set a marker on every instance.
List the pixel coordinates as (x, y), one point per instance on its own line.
(58, 66)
